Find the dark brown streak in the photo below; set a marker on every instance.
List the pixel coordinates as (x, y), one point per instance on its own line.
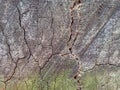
(16, 64)
(76, 2)
(51, 44)
(24, 32)
(8, 45)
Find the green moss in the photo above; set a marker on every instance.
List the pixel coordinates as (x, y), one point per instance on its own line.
(56, 81)
(56, 77)
(59, 81)
(89, 82)
(101, 78)
(51, 77)
(63, 82)
(30, 83)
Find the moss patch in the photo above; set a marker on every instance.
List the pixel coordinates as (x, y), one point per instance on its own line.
(59, 81)
(30, 83)
(53, 76)
(89, 82)
(101, 78)
(63, 82)
(52, 81)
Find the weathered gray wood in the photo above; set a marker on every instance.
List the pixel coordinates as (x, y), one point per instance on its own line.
(49, 38)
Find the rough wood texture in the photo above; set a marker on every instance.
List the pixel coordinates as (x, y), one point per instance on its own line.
(49, 37)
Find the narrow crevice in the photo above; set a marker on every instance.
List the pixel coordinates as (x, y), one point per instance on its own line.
(14, 69)
(105, 64)
(71, 41)
(11, 76)
(8, 45)
(14, 62)
(24, 34)
(51, 44)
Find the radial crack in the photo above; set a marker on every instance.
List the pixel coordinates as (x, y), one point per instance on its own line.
(24, 34)
(8, 45)
(70, 43)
